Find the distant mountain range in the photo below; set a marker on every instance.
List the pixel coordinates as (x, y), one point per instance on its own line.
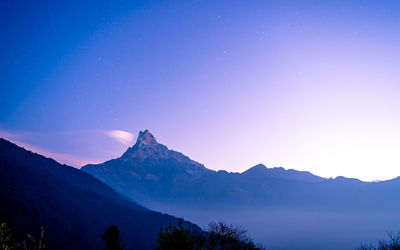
(169, 181)
(74, 208)
(150, 173)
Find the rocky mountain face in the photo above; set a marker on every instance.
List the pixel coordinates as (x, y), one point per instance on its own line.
(74, 208)
(150, 171)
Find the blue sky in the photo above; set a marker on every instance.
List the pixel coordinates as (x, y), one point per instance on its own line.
(309, 85)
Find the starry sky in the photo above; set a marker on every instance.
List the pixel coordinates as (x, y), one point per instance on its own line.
(307, 85)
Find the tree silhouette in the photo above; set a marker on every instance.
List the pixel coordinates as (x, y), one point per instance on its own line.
(392, 243)
(175, 238)
(111, 239)
(218, 236)
(223, 236)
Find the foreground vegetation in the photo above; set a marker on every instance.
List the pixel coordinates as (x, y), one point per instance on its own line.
(219, 236)
(175, 237)
(7, 241)
(391, 243)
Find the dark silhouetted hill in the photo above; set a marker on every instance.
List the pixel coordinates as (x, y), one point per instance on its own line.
(74, 207)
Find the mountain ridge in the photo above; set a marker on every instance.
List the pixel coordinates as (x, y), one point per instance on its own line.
(147, 146)
(149, 171)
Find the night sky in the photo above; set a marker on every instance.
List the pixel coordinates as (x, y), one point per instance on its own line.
(308, 85)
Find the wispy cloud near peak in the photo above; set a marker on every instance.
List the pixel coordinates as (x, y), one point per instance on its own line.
(121, 136)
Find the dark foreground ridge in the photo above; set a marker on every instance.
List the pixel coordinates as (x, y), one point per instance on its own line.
(73, 207)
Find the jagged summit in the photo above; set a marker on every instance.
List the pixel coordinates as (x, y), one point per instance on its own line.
(146, 138)
(147, 147)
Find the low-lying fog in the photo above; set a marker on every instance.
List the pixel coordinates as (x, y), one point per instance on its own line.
(284, 229)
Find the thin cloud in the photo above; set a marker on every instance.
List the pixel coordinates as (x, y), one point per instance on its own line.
(121, 136)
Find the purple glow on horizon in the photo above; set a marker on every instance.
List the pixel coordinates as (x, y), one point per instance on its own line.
(305, 85)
